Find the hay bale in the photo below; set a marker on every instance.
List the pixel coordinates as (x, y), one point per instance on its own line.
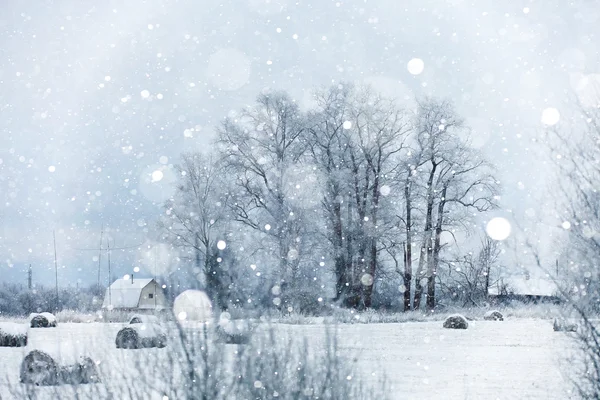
(234, 331)
(39, 368)
(139, 336)
(42, 320)
(562, 325)
(13, 335)
(144, 319)
(85, 371)
(493, 315)
(456, 321)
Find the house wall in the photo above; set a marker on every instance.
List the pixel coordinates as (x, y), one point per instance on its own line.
(147, 302)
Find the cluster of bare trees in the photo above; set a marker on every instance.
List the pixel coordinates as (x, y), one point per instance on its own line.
(342, 196)
(575, 152)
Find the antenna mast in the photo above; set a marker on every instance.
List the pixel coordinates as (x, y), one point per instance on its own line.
(109, 291)
(100, 255)
(55, 268)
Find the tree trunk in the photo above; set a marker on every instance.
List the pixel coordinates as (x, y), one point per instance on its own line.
(408, 249)
(341, 287)
(426, 243)
(372, 269)
(434, 262)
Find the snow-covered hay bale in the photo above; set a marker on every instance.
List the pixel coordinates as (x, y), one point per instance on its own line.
(144, 319)
(493, 315)
(456, 321)
(42, 320)
(234, 331)
(13, 335)
(193, 305)
(39, 368)
(562, 325)
(139, 336)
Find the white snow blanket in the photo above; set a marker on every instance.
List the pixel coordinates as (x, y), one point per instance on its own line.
(13, 328)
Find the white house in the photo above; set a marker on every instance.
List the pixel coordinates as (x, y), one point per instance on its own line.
(134, 295)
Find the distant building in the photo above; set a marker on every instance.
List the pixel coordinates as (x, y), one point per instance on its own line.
(134, 295)
(525, 289)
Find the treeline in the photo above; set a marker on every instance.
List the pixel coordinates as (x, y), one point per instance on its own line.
(18, 300)
(348, 201)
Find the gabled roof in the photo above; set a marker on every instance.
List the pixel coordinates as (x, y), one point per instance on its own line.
(124, 293)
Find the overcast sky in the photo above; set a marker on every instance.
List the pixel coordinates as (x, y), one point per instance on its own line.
(96, 96)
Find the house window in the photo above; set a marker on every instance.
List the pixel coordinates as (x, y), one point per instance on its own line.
(151, 295)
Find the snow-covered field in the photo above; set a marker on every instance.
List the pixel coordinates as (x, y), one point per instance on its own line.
(518, 358)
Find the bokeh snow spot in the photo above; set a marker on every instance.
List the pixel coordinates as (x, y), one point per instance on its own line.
(415, 66)
(550, 116)
(221, 245)
(366, 279)
(157, 176)
(498, 228)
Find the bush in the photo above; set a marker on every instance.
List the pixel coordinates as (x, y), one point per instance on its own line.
(271, 365)
(40, 369)
(13, 335)
(456, 321)
(493, 316)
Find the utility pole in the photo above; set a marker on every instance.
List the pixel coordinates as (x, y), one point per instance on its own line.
(100, 255)
(155, 248)
(109, 291)
(55, 268)
(29, 280)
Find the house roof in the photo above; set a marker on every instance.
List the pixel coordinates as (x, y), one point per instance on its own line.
(124, 293)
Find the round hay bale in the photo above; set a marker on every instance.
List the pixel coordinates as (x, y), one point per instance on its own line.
(85, 371)
(234, 331)
(128, 338)
(51, 319)
(13, 335)
(456, 321)
(39, 368)
(562, 325)
(139, 336)
(144, 319)
(39, 321)
(42, 320)
(493, 315)
(160, 341)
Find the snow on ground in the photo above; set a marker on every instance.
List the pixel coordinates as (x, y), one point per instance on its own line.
(490, 360)
(518, 358)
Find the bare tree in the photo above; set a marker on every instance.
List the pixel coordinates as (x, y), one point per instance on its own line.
(261, 150)
(196, 218)
(457, 179)
(356, 140)
(467, 278)
(574, 152)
